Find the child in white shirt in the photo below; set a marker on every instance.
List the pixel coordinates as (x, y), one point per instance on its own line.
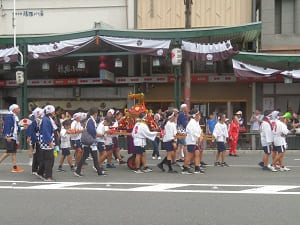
(221, 134)
(65, 145)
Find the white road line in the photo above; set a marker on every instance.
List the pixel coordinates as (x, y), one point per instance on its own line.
(158, 187)
(154, 187)
(269, 189)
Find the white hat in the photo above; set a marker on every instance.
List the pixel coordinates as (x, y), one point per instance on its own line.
(37, 112)
(13, 107)
(239, 113)
(49, 109)
(83, 115)
(183, 106)
(76, 115)
(274, 114)
(111, 111)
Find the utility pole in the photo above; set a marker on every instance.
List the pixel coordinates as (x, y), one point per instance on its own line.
(187, 63)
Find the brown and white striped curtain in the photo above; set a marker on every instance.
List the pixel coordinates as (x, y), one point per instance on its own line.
(207, 52)
(8, 55)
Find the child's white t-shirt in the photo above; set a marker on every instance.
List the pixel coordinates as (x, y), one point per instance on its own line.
(64, 138)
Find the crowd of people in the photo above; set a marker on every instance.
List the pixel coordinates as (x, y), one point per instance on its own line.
(180, 133)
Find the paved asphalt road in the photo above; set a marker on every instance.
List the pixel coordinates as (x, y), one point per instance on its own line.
(240, 194)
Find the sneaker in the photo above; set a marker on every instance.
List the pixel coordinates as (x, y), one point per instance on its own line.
(180, 160)
(78, 174)
(17, 170)
(39, 176)
(49, 179)
(224, 164)
(94, 168)
(73, 168)
(159, 158)
(272, 168)
(121, 162)
(153, 157)
(217, 164)
(230, 154)
(236, 155)
(160, 166)
(203, 166)
(203, 163)
(261, 164)
(138, 171)
(60, 169)
(34, 173)
(172, 171)
(186, 171)
(102, 173)
(265, 168)
(284, 168)
(147, 169)
(110, 165)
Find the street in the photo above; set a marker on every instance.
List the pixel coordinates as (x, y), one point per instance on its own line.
(240, 194)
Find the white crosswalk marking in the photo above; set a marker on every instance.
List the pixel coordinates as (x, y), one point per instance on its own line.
(154, 187)
(268, 189)
(158, 187)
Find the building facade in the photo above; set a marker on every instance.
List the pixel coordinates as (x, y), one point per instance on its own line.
(54, 16)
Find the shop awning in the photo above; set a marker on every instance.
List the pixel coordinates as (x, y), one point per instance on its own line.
(268, 58)
(245, 33)
(276, 61)
(253, 71)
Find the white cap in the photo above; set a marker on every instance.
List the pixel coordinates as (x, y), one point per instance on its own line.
(76, 115)
(49, 109)
(183, 106)
(37, 112)
(111, 111)
(13, 107)
(239, 113)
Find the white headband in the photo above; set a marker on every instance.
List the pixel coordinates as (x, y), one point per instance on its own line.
(111, 111)
(37, 112)
(49, 109)
(171, 115)
(13, 107)
(194, 115)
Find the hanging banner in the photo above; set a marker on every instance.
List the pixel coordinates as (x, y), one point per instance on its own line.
(207, 52)
(8, 55)
(51, 50)
(141, 46)
(246, 70)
